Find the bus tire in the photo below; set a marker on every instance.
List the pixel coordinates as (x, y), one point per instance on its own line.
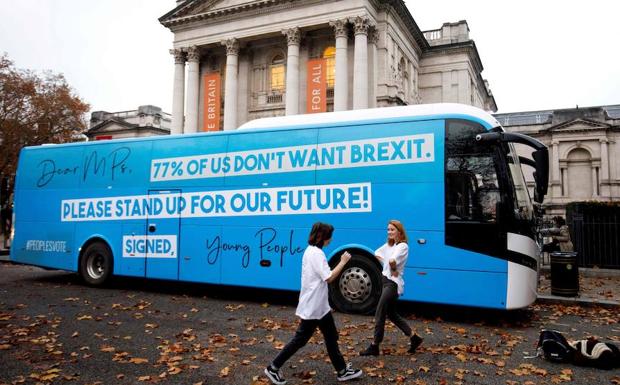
(358, 288)
(96, 264)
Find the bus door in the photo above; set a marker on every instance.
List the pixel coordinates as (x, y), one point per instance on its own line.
(162, 237)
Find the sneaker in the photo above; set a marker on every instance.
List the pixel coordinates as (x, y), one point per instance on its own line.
(348, 373)
(416, 341)
(372, 350)
(274, 376)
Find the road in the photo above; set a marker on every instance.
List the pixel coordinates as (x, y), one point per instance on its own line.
(56, 330)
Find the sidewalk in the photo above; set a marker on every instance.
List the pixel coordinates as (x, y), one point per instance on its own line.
(596, 287)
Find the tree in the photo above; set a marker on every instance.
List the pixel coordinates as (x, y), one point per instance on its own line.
(35, 109)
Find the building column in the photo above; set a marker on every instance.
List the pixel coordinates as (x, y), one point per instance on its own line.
(360, 63)
(230, 98)
(556, 178)
(564, 181)
(178, 93)
(594, 180)
(341, 87)
(373, 40)
(193, 84)
(604, 176)
(293, 38)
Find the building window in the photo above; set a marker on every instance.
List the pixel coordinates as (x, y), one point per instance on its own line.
(277, 73)
(329, 54)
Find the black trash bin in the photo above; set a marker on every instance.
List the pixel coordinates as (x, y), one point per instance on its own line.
(564, 274)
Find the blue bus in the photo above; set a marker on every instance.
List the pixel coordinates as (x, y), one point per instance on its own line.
(235, 207)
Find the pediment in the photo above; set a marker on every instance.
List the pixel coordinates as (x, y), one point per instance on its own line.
(111, 125)
(579, 125)
(216, 5)
(210, 8)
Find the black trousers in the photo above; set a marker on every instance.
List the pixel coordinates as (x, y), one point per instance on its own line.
(387, 308)
(306, 329)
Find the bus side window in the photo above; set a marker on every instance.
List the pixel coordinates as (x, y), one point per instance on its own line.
(472, 191)
(460, 187)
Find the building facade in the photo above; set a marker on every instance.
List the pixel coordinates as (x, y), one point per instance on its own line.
(145, 121)
(236, 60)
(584, 152)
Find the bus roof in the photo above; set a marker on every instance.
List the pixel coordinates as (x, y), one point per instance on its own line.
(371, 115)
(417, 111)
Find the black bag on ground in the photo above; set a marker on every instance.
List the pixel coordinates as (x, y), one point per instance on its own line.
(554, 346)
(597, 354)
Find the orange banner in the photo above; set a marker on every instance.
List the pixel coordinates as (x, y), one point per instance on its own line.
(212, 102)
(316, 97)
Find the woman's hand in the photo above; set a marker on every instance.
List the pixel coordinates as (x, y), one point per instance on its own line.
(393, 270)
(345, 257)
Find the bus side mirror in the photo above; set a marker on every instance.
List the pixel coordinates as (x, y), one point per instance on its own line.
(541, 175)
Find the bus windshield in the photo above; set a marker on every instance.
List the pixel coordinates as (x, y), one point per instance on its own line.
(523, 203)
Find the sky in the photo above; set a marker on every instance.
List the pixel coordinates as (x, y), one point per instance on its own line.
(537, 55)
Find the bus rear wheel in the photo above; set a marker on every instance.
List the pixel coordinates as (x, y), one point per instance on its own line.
(96, 264)
(358, 288)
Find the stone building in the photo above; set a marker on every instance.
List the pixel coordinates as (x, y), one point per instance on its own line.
(145, 121)
(240, 60)
(584, 152)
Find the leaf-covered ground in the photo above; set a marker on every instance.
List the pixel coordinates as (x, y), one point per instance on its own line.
(54, 330)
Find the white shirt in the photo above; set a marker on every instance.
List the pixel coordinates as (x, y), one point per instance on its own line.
(398, 252)
(313, 297)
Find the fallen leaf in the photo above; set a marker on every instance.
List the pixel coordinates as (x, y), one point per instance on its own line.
(138, 361)
(224, 372)
(107, 349)
(175, 370)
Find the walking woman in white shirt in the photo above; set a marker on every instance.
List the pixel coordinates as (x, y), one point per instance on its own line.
(393, 257)
(313, 307)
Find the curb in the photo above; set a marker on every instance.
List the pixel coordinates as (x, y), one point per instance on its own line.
(553, 299)
(588, 272)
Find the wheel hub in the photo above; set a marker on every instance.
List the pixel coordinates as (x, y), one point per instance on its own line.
(95, 266)
(355, 285)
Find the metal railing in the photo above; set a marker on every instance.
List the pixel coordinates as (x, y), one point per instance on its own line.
(596, 239)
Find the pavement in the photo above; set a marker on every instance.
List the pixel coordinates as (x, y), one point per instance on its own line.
(596, 286)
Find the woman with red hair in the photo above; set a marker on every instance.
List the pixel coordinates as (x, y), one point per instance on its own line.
(393, 257)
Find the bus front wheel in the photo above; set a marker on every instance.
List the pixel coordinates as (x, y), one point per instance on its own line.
(358, 288)
(96, 264)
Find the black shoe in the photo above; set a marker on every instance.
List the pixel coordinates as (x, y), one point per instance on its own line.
(349, 373)
(416, 341)
(274, 376)
(372, 350)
